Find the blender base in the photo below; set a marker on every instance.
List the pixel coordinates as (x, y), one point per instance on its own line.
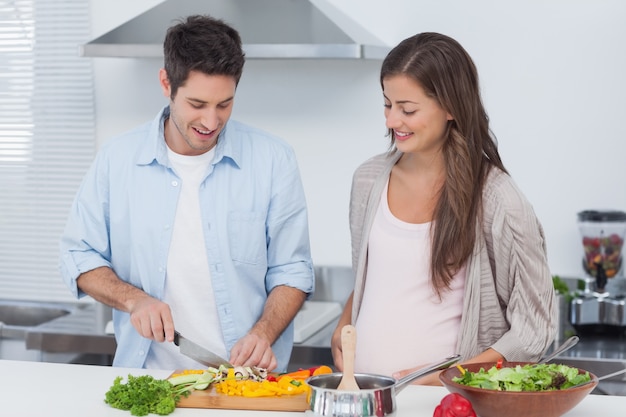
(598, 314)
(607, 330)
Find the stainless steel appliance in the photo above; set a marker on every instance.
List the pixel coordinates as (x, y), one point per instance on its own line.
(600, 304)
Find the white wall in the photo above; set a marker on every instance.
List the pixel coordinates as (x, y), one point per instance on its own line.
(552, 74)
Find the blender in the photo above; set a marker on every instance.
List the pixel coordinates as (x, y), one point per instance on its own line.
(600, 305)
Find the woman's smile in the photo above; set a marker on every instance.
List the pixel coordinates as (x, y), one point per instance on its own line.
(399, 135)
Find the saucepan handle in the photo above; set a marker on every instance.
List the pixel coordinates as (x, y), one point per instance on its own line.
(437, 366)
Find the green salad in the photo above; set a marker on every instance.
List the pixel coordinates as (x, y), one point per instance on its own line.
(529, 377)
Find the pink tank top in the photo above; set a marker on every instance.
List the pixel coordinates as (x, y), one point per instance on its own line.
(402, 324)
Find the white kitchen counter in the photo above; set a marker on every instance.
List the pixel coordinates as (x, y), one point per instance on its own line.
(40, 389)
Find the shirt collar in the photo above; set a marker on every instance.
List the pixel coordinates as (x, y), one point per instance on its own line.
(227, 147)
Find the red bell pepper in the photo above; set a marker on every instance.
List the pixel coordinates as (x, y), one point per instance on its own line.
(454, 405)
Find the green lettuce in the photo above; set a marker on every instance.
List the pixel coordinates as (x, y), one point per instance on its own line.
(529, 377)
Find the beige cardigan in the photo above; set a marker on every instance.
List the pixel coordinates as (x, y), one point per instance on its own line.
(509, 302)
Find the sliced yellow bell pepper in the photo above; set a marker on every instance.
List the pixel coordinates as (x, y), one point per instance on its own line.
(248, 388)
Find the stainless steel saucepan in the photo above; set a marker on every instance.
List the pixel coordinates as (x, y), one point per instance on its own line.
(376, 396)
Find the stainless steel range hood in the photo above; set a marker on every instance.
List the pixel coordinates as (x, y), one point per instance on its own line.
(269, 29)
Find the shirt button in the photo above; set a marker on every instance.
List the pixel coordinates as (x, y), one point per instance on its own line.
(174, 183)
(140, 353)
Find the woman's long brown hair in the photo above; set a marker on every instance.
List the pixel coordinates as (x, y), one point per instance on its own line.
(447, 73)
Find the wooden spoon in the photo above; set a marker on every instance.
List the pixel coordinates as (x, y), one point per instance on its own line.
(348, 346)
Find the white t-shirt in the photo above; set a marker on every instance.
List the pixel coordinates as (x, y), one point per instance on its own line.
(188, 288)
(402, 323)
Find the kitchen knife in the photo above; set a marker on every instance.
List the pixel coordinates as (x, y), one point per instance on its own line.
(198, 353)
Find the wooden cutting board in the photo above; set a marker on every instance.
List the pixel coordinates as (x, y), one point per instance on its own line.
(210, 399)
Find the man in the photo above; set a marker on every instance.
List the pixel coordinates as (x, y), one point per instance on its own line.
(194, 222)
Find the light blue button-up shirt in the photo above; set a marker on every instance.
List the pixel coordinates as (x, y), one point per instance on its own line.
(254, 221)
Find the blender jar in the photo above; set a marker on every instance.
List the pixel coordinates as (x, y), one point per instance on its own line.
(603, 235)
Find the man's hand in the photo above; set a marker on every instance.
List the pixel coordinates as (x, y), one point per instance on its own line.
(253, 350)
(152, 319)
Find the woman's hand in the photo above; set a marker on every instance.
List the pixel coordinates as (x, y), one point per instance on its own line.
(489, 355)
(335, 340)
(430, 379)
(336, 348)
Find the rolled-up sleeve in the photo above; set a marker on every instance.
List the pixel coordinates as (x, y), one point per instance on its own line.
(84, 244)
(289, 261)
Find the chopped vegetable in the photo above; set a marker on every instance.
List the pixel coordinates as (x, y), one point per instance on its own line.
(454, 405)
(197, 379)
(266, 388)
(181, 379)
(187, 372)
(241, 372)
(144, 394)
(192, 380)
(319, 370)
(529, 377)
(303, 374)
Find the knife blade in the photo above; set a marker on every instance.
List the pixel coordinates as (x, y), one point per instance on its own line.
(198, 353)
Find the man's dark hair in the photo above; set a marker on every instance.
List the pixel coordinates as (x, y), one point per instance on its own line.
(201, 43)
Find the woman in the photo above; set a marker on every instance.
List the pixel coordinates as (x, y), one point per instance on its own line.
(448, 254)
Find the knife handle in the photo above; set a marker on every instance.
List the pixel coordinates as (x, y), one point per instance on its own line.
(176, 337)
